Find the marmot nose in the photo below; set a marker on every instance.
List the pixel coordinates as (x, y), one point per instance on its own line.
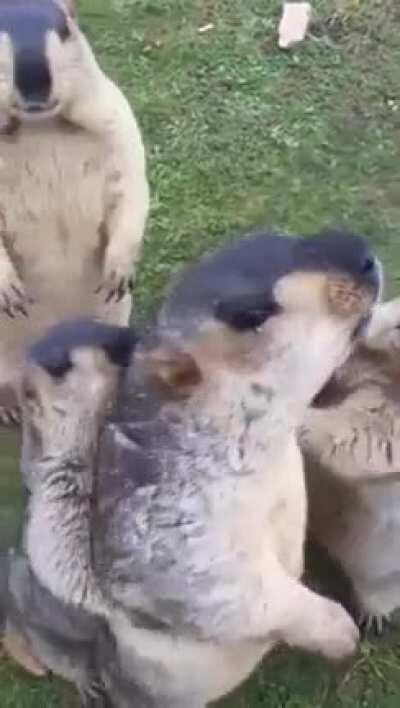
(32, 77)
(369, 265)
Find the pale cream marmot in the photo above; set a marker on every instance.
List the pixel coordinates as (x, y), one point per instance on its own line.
(73, 187)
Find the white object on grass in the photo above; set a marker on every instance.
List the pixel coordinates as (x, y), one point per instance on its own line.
(294, 23)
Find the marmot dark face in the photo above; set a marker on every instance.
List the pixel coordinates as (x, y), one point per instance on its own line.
(41, 57)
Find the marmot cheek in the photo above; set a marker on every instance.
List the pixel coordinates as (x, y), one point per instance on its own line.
(347, 299)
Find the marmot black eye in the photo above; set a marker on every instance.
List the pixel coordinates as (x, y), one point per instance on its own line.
(58, 368)
(246, 312)
(55, 361)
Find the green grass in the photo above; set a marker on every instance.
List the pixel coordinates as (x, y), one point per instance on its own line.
(10, 491)
(238, 135)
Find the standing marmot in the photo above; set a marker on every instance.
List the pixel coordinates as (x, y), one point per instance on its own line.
(73, 188)
(351, 441)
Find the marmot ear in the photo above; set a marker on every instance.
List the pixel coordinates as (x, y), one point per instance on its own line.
(172, 370)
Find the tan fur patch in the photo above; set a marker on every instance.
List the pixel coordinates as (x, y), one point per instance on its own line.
(173, 370)
(346, 298)
(302, 290)
(323, 292)
(18, 649)
(218, 346)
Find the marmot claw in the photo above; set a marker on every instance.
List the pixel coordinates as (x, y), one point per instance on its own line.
(14, 300)
(115, 288)
(10, 416)
(93, 696)
(375, 623)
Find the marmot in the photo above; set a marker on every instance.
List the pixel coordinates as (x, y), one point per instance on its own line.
(351, 442)
(73, 187)
(181, 518)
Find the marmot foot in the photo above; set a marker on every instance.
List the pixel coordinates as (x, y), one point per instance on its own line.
(374, 623)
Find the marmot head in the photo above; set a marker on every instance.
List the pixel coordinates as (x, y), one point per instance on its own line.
(278, 307)
(70, 381)
(44, 59)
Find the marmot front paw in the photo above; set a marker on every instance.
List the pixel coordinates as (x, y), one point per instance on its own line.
(10, 416)
(94, 694)
(335, 635)
(115, 285)
(14, 299)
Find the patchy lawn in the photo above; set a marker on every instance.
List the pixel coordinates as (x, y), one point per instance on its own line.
(240, 134)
